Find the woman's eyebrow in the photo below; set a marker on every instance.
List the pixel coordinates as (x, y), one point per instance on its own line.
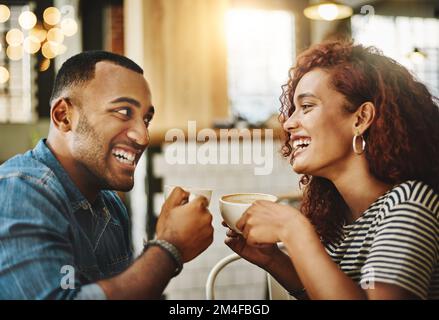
(306, 95)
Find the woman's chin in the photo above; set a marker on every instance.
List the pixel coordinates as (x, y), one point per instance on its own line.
(298, 168)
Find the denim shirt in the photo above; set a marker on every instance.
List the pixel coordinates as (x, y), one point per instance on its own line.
(54, 244)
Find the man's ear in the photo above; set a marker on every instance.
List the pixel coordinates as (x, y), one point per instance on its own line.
(364, 117)
(61, 115)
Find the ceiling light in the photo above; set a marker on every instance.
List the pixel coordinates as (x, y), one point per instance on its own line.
(328, 10)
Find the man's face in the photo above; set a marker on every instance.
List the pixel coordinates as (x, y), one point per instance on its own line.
(110, 126)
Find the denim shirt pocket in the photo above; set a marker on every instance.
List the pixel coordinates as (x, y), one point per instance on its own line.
(113, 253)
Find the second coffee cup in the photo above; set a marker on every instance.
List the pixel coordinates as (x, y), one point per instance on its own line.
(232, 206)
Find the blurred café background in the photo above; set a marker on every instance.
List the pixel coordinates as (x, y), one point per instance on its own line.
(220, 63)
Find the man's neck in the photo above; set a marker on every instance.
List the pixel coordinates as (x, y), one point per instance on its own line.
(77, 173)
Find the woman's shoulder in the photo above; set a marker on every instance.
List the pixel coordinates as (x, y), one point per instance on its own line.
(414, 193)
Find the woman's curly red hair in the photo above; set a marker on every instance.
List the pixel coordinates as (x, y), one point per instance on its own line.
(401, 144)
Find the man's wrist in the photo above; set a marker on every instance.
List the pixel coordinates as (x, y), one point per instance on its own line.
(170, 249)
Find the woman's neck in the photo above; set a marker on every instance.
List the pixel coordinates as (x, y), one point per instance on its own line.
(359, 188)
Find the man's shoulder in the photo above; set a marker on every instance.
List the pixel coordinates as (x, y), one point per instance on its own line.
(32, 198)
(23, 175)
(23, 165)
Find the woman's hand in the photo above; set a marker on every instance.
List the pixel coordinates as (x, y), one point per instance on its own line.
(266, 222)
(261, 256)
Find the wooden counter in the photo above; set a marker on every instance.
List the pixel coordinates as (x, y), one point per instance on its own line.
(159, 137)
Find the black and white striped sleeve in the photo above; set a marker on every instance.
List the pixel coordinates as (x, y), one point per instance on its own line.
(404, 250)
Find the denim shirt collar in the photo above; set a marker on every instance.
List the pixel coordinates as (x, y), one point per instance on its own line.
(76, 198)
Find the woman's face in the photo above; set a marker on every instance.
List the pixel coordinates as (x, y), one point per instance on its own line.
(320, 129)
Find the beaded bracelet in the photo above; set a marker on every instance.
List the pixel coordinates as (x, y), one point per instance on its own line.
(170, 249)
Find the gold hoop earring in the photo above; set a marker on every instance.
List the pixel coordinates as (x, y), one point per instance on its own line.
(354, 143)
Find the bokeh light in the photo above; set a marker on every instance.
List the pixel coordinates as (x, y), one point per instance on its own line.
(5, 13)
(45, 64)
(15, 52)
(39, 33)
(55, 35)
(50, 49)
(31, 44)
(4, 75)
(33, 35)
(52, 16)
(69, 27)
(27, 20)
(61, 49)
(14, 37)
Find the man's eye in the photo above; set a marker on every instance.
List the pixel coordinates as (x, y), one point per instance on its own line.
(148, 119)
(124, 111)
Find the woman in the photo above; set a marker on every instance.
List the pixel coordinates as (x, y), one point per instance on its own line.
(365, 134)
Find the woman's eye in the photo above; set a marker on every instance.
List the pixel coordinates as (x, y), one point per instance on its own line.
(306, 107)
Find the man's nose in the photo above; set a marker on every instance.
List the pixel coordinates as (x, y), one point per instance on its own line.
(139, 133)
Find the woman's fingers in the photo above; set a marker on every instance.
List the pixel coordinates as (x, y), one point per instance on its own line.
(232, 234)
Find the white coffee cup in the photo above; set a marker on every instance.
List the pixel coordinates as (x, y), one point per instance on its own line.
(232, 206)
(194, 192)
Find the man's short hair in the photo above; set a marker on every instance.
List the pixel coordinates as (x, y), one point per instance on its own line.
(80, 68)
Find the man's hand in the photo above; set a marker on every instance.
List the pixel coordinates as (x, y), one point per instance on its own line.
(187, 225)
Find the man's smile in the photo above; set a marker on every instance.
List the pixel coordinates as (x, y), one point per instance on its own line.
(126, 156)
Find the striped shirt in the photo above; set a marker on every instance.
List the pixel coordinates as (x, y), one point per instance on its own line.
(395, 241)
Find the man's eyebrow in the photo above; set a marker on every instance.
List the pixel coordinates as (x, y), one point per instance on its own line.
(127, 100)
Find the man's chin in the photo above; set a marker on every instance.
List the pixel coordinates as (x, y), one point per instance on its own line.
(122, 187)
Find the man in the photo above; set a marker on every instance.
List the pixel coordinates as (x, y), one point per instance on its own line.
(57, 215)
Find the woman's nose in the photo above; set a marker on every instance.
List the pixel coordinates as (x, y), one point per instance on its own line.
(291, 123)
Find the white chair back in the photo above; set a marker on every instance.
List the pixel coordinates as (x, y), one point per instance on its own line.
(275, 290)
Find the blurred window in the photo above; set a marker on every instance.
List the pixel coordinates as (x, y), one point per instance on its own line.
(261, 49)
(18, 82)
(413, 42)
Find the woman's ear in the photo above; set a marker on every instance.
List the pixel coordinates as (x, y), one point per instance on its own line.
(61, 115)
(364, 117)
